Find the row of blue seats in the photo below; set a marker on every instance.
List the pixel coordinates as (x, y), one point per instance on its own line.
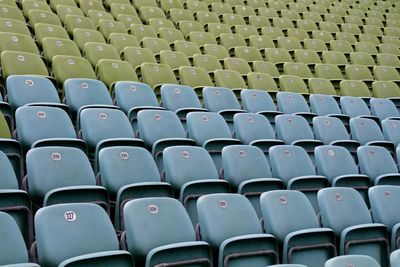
(158, 230)
(133, 96)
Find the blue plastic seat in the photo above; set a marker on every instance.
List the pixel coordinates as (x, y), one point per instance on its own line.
(368, 132)
(132, 97)
(259, 101)
(294, 130)
(294, 167)
(192, 173)
(384, 201)
(85, 241)
(352, 260)
(294, 103)
(158, 231)
(290, 217)
(248, 172)
(210, 131)
(180, 99)
(223, 101)
(237, 238)
(43, 126)
(390, 130)
(384, 109)
(344, 211)
(160, 129)
(395, 258)
(331, 131)
(62, 175)
(82, 93)
(378, 164)
(328, 158)
(326, 105)
(254, 129)
(355, 107)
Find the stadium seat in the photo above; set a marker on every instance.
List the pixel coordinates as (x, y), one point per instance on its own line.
(180, 99)
(290, 217)
(22, 63)
(107, 27)
(192, 173)
(94, 52)
(64, 10)
(80, 93)
(127, 173)
(330, 72)
(43, 30)
(210, 131)
(383, 209)
(132, 97)
(243, 241)
(367, 132)
(223, 101)
(285, 161)
(394, 258)
(208, 62)
(86, 241)
(54, 46)
(100, 127)
(14, 251)
(174, 59)
(219, 51)
(327, 159)
(67, 178)
(354, 106)
(66, 67)
(45, 126)
(29, 89)
(122, 40)
(378, 164)
(332, 131)
(247, 171)
(344, 211)
(294, 103)
(82, 36)
(292, 83)
(110, 71)
(162, 234)
(160, 129)
(73, 22)
(326, 105)
(386, 73)
(383, 109)
(352, 259)
(12, 25)
(389, 130)
(137, 55)
(157, 74)
(195, 77)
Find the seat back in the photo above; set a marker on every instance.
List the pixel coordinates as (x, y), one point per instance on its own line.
(291, 102)
(324, 105)
(72, 228)
(290, 128)
(354, 106)
(250, 127)
(329, 129)
(390, 130)
(257, 100)
(352, 260)
(175, 97)
(383, 108)
(8, 178)
(384, 204)
(365, 130)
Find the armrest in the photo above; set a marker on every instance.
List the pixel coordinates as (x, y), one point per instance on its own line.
(217, 144)
(261, 248)
(357, 181)
(362, 234)
(308, 144)
(270, 115)
(229, 113)
(180, 254)
(309, 239)
(388, 179)
(265, 144)
(307, 115)
(386, 144)
(161, 144)
(49, 104)
(138, 190)
(110, 258)
(258, 186)
(307, 183)
(70, 142)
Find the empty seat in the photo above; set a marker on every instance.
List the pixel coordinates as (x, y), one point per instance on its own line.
(378, 164)
(355, 107)
(329, 157)
(160, 129)
(330, 72)
(332, 131)
(17, 42)
(292, 83)
(14, 250)
(223, 101)
(166, 218)
(386, 73)
(94, 52)
(192, 173)
(210, 130)
(181, 99)
(321, 86)
(352, 259)
(285, 163)
(110, 71)
(82, 36)
(389, 130)
(174, 59)
(383, 200)
(97, 242)
(326, 105)
(156, 74)
(66, 67)
(127, 173)
(290, 217)
(55, 46)
(247, 171)
(239, 237)
(101, 127)
(195, 77)
(67, 177)
(21, 63)
(383, 108)
(345, 212)
(354, 88)
(294, 103)
(367, 132)
(43, 126)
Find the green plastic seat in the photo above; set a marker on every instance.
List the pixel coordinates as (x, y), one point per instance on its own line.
(299, 34)
(73, 22)
(172, 240)
(295, 224)
(111, 71)
(170, 35)
(385, 89)
(43, 30)
(85, 6)
(221, 8)
(21, 63)
(208, 62)
(125, 8)
(195, 77)
(219, 51)
(358, 72)
(189, 48)
(17, 42)
(82, 36)
(140, 31)
(231, 40)
(321, 86)
(324, 36)
(278, 56)
(308, 57)
(354, 88)
(107, 27)
(386, 73)
(99, 245)
(247, 53)
(161, 23)
(237, 64)
(206, 17)
(366, 47)
(235, 239)
(337, 58)
(273, 32)
(139, 3)
(63, 10)
(127, 20)
(122, 40)
(266, 67)
(155, 75)
(389, 49)
(174, 59)
(177, 15)
(262, 81)
(197, 176)
(94, 52)
(297, 69)
(28, 5)
(230, 79)
(330, 72)
(361, 58)
(137, 55)
(38, 16)
(258, 21)
(11, 12)
(66, 67)
(202, 38)
(149, 12)
(291, 83)
(156, 45)
(188, 26)
(12, 25)
(97, 15)
(194, 6)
